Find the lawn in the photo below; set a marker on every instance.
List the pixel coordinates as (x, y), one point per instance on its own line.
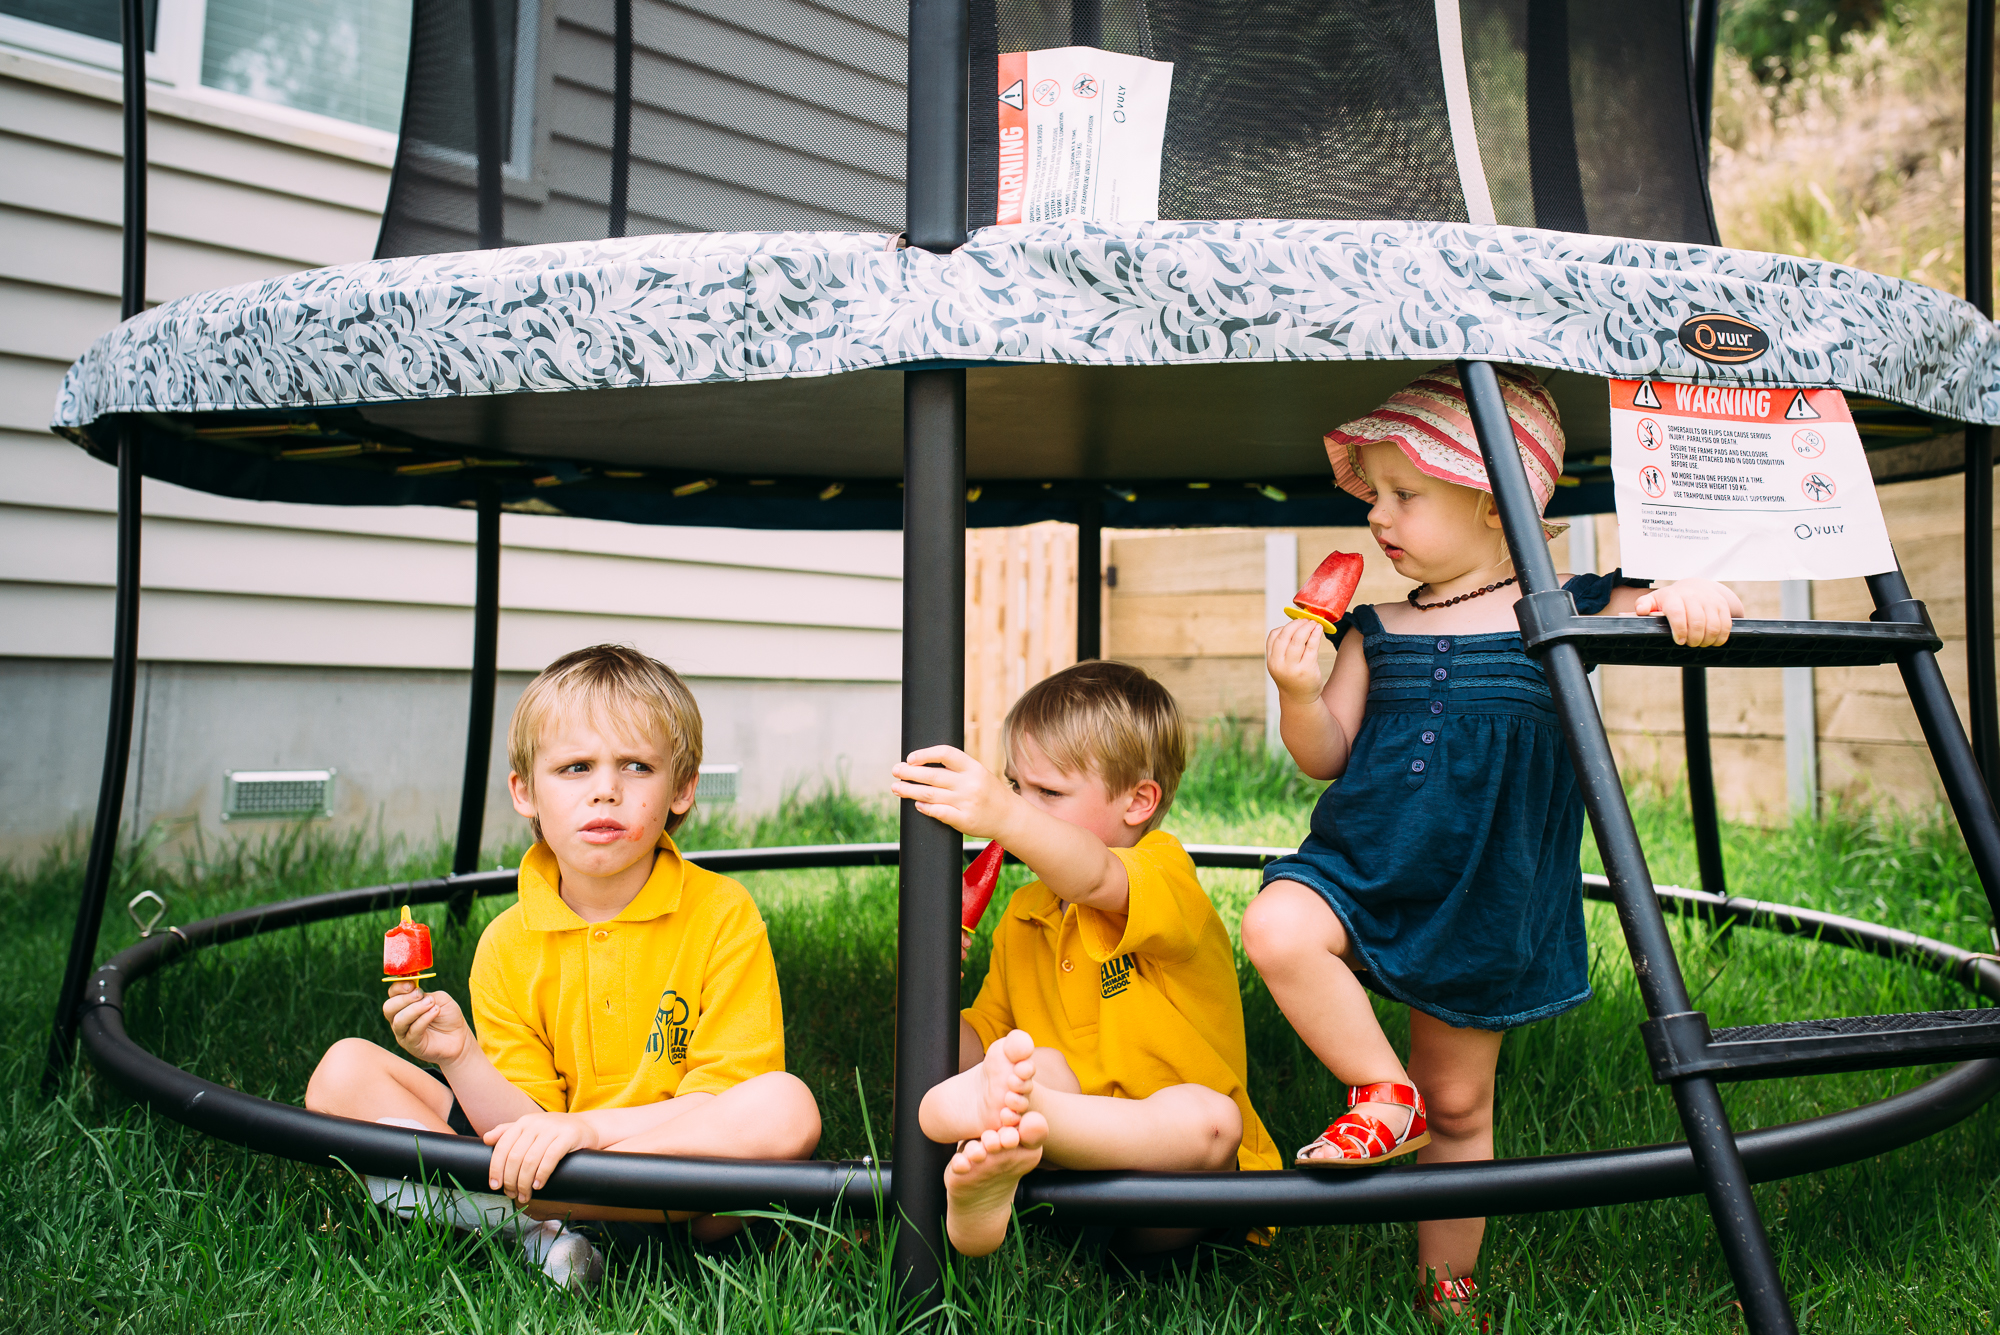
(114, 1219)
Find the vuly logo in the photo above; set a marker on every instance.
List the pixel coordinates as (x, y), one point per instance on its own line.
(1806, 532)
(670, 1028)
(1723, 338)
(1114, 976)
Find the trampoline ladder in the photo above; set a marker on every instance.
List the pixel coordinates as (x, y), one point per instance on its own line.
(1685, 1054)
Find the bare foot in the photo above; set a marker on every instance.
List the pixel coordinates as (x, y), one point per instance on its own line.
(990, 1096)
(979, 1183)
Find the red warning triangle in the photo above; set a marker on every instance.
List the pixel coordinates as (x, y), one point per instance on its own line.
(1799, 410)
(1012, 97)
(1645, 396)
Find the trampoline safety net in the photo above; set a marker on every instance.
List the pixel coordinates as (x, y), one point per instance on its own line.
(778, 115)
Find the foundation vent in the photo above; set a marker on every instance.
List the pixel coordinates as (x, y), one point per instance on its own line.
(718, 784)
(280, 794)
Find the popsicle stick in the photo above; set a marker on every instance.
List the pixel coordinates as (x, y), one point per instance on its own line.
(406, 977)
(1300, 614)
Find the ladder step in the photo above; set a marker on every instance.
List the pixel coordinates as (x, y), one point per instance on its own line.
(1550, 618)
(1681, 1045)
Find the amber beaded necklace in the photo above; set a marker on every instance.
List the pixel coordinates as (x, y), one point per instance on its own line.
(1432, 607)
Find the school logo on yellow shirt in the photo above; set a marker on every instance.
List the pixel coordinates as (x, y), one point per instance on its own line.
(1114, 976)
(670, 1029)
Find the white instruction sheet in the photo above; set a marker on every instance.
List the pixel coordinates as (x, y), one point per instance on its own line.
(1080, 135)
(1752, 484)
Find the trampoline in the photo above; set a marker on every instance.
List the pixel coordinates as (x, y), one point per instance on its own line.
(804, 340)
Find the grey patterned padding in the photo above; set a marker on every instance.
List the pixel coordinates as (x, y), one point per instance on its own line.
(732, 307)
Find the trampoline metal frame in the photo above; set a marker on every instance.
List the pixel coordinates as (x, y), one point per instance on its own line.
(929, 854)
(1508, 1186)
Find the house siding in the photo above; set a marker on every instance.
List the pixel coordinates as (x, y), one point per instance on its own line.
(289, 636)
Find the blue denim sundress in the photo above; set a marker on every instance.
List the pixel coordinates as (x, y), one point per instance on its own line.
(1450, 847)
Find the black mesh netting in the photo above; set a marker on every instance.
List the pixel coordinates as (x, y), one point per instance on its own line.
(761, 115)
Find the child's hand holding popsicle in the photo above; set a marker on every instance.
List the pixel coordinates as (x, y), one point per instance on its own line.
(1291, 653)
(427, 1025)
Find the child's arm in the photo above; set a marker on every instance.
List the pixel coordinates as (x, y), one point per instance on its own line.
(1317, 722)
(1698, 611)
(1072, 862)
(431, 1027)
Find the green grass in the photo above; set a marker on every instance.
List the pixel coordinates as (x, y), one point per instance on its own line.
(114, 1219)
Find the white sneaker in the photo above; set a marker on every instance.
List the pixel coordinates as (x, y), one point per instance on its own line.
(565, 1256)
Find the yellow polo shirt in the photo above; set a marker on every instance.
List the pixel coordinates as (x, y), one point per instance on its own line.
(1135, 1002)
(678, 994)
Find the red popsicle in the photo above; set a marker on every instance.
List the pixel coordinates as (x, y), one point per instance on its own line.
(1325, 597)
(977, 893)
(406, 951)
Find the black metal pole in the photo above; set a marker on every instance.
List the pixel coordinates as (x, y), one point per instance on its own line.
(1979, 655)
(1727, 1186)
(485, 668)
(1701, 779)
(1970, 797)
(1089, 581)
(125, 606)
(621, 117)
(490, 151)
(1702, 40)
(932, 852)
(932, 855)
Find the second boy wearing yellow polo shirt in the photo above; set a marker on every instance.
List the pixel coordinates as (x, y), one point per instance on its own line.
(1109, 1030)
(1134, 1003)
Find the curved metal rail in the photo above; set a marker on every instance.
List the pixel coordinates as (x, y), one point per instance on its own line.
(1507, 1186)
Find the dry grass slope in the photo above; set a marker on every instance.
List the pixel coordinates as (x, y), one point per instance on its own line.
(1859, 157)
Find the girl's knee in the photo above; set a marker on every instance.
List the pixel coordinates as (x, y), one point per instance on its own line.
(1460, 1110)
(1286, 920)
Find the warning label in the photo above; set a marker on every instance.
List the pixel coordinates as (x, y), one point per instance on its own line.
(1718, 483)
(1080, 135)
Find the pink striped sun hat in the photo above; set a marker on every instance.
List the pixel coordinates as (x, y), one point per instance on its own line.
(1427, 420)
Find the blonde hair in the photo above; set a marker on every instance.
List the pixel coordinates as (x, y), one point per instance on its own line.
(1106, 718)
(622, 686)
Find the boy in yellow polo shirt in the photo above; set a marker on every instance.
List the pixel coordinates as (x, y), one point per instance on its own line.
(1109, 1030)
(627, 1001)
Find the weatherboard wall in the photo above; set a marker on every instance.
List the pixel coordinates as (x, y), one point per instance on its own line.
(283, 636)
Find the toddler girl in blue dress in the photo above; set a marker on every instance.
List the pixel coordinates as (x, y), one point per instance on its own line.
(1443, 866)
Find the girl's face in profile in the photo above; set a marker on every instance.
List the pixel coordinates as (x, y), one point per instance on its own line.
(1431, 530)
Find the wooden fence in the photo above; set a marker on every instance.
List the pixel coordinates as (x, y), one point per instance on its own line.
(1020, 622)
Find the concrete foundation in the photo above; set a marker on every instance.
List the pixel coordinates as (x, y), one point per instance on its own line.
(396, 738)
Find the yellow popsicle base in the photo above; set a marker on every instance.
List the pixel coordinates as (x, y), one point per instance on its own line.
(406, 977)
(1300, 614)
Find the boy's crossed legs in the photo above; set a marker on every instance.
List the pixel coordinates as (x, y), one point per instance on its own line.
(1021, 1105)
(770, 1116)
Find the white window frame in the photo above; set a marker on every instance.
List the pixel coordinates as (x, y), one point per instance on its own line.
(175, 63)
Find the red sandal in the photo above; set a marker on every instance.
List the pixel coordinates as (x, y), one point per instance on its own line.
(1446, 1292)
(1362, 1140)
